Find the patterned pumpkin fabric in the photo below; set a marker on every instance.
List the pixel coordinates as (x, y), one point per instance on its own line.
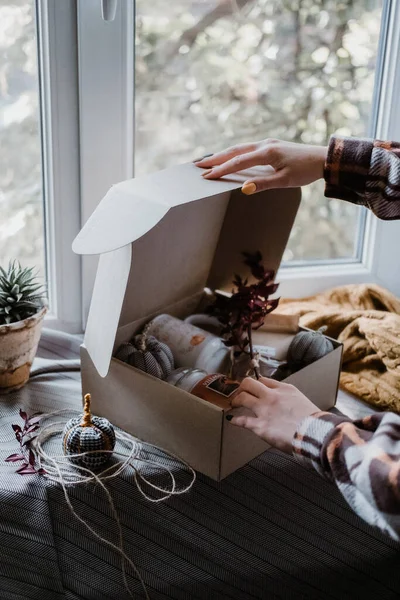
(366, 319)
(78, 439)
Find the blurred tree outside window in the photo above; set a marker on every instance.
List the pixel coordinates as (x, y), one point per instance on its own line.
(213, 73)
(21, 197)
(208, 74)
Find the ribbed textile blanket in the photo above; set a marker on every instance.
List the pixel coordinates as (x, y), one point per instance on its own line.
(271, 530)
(366, 319)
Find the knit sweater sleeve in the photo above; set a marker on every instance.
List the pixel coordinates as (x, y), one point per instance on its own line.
(362, 458)
(365, 172)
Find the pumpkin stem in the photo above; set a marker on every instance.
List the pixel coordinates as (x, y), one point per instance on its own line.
(142, 338)
(86, 417)
(322, 329)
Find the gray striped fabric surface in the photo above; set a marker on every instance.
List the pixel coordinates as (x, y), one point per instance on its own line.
(271, 530)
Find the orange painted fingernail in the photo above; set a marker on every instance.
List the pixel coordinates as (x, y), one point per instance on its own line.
(249, 188)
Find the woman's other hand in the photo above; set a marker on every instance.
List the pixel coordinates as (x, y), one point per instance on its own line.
(278, 410)
(293, 165)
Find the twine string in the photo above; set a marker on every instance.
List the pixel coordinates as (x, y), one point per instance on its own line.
(254, 364)
(255, 361)
(119, 549)
(59, 470)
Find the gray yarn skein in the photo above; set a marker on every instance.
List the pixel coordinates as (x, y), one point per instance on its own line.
(307, 347)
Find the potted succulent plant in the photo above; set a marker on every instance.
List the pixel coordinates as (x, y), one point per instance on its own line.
(22, 308)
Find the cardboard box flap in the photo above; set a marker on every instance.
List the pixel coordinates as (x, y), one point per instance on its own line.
(261, 222)
(106, 305)
(174, 233)
(200, 244)
(131, 208)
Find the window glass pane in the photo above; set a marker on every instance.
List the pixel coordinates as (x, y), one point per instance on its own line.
(21, 198)
(212, 73)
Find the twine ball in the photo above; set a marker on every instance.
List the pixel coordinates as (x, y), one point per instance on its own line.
(85, 434)
(307, 347)
(148, 354)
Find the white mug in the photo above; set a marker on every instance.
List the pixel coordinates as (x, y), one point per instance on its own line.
(190, 345)
(206, 322)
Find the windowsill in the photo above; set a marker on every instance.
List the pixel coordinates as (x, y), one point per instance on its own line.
(327, 269)
(297, 282)
(52, 322)
(352, 406)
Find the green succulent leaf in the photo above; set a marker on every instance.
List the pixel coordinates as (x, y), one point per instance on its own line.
(21, 294)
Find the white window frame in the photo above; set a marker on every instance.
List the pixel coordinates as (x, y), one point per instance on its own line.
(58, 85)
(88, 78)
(106, 107)
(379, 263)
(86, 74)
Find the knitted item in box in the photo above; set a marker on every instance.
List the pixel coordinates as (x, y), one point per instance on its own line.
(147, 354)
(307, 347)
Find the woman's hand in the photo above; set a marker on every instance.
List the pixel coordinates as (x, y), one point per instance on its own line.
(293, 164)
(278, 409)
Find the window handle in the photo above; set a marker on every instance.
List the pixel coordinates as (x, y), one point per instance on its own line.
(108, 9)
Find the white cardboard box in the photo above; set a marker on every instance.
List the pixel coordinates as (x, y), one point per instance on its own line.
(162, 239)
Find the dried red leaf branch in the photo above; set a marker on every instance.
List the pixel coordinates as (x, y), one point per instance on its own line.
(25, 435)
(245, 310)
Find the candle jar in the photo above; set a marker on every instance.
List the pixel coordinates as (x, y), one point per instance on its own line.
(185, 378)
(215, 388)
(206, 322)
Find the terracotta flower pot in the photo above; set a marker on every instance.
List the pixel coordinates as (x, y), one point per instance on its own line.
(18, 346)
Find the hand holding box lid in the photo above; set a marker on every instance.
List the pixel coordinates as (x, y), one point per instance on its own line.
(166, 236)
(196, 244)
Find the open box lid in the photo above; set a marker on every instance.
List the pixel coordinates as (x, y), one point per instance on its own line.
(166, 236)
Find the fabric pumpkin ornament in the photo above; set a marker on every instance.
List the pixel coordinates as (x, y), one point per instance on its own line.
(307, 347)
(86, 434)
(147, 354)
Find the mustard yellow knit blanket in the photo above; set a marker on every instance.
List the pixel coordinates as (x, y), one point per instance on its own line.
(366, 319)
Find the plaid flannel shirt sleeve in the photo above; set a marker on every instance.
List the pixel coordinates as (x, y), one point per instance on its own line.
(365, 172)
(361, 457)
